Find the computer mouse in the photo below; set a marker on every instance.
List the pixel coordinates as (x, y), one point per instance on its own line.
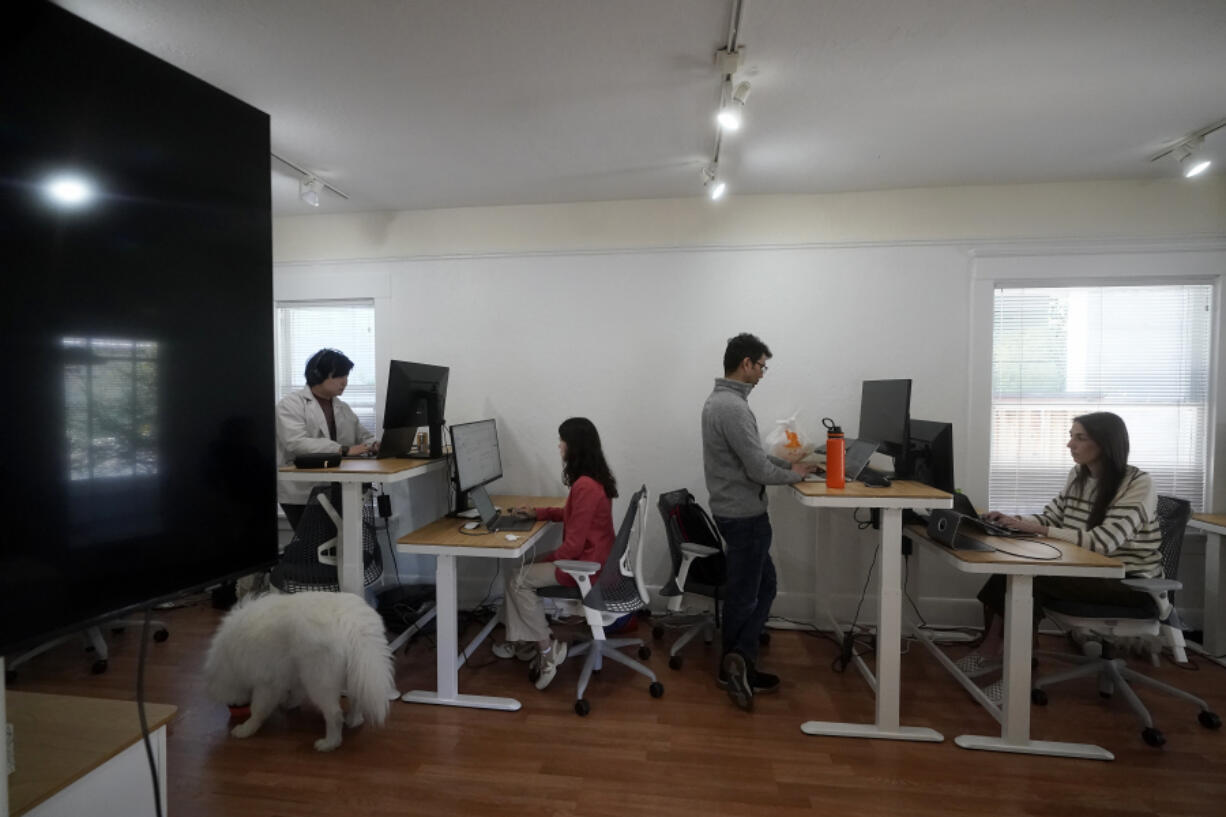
(471, 525)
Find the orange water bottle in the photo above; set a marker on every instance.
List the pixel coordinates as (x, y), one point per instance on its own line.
(834, 454)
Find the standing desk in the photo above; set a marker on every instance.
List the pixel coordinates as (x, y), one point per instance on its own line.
(891, 501)
(1014, 711)
(83, 756)
(1214, 526)
(351, 474)
(445, 540)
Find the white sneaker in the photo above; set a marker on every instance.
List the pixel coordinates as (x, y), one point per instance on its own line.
(523, 650)
(549, 663)
(995, 691)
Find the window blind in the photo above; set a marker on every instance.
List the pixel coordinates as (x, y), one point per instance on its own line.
(1142, 352)
(305, 327)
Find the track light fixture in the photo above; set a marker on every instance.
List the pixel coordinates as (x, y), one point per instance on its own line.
(1191, 161)
(310, 185)
(1188, 151)
(716, 187)
(732, 114)
(309, 189)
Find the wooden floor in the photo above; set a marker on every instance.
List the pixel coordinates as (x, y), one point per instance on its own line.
(690, 752)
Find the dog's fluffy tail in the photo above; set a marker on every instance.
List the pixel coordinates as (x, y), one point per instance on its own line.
(368, 665)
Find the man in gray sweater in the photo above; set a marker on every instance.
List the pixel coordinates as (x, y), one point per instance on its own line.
(737, 472)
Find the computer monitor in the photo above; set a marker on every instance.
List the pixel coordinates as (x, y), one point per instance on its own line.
(478, 460)
(416, 396)
(885, 413)
(932, 454)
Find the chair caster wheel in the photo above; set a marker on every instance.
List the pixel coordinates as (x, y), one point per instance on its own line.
(1152, 736)
(764, 638)
(656, 689)
(582, 707)
(1209, 720)
(1038, 697)
(98, 666)
(161, 635)
(644, 652)
(674, 662)
(657, 632)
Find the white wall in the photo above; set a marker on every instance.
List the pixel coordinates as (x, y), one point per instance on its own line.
(632, 337)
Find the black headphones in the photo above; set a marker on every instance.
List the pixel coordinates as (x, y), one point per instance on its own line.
(315, 370)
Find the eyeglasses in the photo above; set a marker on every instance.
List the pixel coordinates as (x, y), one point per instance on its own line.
(763, 365)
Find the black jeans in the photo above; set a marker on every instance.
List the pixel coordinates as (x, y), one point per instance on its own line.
(751, 585)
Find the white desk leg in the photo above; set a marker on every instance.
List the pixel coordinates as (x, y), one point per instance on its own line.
(349, 554)
(1214, 640)
(1015, 701)
(889, 643)
(446, 600)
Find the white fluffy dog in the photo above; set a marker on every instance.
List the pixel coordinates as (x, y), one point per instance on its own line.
(277, 649)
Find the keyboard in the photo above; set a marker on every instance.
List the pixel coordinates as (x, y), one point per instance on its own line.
(510, 521)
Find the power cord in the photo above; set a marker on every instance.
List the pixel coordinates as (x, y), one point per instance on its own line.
(140, 709)
(847, 648)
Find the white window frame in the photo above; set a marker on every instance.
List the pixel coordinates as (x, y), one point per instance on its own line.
(1081, 264)
(367, 410)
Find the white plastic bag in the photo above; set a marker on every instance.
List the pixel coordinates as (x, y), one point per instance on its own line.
(787, 441)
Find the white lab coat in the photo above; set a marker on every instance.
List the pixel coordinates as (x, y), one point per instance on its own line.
(302, 428)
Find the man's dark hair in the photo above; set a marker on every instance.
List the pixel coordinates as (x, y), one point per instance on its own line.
(743, 346)
(327, 363)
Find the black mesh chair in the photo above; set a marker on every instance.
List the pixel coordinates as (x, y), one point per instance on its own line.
(309, 561)
(618, 590)
(1105, 626)
(698, 568)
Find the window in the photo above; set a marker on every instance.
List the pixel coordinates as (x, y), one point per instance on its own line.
(305, 327)
(1142, 352)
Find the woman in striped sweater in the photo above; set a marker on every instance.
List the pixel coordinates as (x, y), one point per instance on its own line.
(1107, 506)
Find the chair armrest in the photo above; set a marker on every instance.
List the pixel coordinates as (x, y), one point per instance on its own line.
(698, 551)
(576, 568)
(1153, 585)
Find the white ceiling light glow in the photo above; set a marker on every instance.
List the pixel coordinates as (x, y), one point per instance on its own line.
(731, 113)
(309, 189)
(716, 187)
(69, 191)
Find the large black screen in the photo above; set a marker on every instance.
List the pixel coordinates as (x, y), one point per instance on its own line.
(135, 222)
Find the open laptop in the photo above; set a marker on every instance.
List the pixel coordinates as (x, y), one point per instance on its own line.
(963, 506)
(494, 521)
(856, 455)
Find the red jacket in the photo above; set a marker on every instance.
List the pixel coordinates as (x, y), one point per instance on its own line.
(587, 526)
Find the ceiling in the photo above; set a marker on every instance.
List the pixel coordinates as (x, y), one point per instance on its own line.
(418, 104)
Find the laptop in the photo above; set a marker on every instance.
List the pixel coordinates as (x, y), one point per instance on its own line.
(493, 520)
(856, 454)
(963, 506)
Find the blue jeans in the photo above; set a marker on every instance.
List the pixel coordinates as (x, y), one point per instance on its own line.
(751, 585)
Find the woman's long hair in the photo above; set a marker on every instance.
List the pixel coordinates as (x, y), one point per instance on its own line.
(1108, 431)
(584, 456)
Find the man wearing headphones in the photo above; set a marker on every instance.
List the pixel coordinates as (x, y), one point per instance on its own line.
(315, 420)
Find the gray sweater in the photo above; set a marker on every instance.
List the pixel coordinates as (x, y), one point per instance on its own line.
(736, 467)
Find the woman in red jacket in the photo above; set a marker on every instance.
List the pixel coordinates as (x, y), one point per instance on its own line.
(587, 535)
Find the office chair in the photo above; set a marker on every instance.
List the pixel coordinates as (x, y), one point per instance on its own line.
(1113, 623)
(619, 590)
(94, 643)
(309, 561)
(698, 568)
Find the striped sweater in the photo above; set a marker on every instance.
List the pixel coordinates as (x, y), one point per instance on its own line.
(1129, 532)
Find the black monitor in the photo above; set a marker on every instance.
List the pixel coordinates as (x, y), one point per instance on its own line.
(885, 412)
(478, 460)
(932, 454)
(416, 396)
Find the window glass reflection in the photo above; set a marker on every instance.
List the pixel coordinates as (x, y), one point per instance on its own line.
(110, 407)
